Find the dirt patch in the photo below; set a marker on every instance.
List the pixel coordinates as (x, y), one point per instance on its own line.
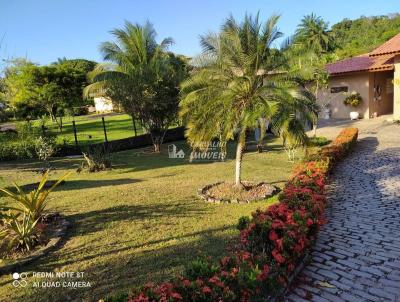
(228, 192)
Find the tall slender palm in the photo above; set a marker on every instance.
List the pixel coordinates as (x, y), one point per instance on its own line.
(240, 78)
(313, 32)
(141, 76)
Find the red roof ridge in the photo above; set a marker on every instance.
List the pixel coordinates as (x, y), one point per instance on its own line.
(390, 47)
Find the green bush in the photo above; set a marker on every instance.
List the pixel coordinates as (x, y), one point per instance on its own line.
(20, 144)
(318, 141)
(18, 224)
(17, 149)
(25, 143)
(3, 116)
(243, 223)
(19, 234)
(354, 99)
(98, 158)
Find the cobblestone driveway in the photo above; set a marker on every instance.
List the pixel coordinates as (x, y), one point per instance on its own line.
(357, 254)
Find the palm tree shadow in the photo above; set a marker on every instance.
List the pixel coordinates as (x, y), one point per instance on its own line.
(129, 265)
(79, 184)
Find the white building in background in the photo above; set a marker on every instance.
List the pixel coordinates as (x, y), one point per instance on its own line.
(103, 104)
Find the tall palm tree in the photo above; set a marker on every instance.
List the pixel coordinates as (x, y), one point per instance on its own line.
(314, 34)
(142, 76)
(240, 78)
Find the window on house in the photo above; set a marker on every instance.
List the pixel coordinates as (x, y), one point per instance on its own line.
(339, 89)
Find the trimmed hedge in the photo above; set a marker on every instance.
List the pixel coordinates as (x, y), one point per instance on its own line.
(271, 245)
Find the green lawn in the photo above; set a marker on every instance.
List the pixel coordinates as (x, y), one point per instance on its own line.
(140, 221)
(90, 128)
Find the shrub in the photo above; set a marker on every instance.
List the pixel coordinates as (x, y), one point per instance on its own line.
(243, 223)
(19, 234)
(18, 225)
(45, 148)
(318, 141)
(20, 144)
(98, 158)
(271, 243)
(3, 116)
(16, 149)
(354, 99)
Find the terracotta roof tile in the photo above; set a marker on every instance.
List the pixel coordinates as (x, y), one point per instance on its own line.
(390, 47)
(361, 63)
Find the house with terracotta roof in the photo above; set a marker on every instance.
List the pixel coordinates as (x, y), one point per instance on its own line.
(375, 76)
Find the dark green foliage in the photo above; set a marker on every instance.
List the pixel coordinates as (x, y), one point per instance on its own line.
(355, 37)
(354, 99)
(98, 158)
(243, 222)
(318, 141)
(20, 144)
(35, 90)
(120, 297)
(200, 268)
(313, 33)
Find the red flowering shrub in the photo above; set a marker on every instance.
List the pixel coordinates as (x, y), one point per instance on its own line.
(271, 243)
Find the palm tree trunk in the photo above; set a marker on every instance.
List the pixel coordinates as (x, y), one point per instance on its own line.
(315, 126)
(239, 158)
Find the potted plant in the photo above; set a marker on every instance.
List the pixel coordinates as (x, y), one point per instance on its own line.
(354, 99)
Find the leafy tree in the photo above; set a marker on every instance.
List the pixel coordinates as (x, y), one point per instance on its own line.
(240, 78)
(33, 89)
(74, 80)
(79, 65)
(362, 35)
(141, 76)
(19, 80)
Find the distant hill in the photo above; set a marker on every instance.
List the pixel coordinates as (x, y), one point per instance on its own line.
(355, 37)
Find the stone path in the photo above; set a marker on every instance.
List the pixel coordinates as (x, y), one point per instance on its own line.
(357, 254)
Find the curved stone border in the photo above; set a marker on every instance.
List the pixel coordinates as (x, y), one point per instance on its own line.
(58, 234)
(202, 193)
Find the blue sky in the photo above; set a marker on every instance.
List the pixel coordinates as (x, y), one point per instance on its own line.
(44, 30)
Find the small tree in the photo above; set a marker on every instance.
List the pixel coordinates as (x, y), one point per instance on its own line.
(240, 79)
(141, 76)
(44, 150)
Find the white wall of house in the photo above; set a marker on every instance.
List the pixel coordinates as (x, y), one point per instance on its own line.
(103, 104)
(358, 82)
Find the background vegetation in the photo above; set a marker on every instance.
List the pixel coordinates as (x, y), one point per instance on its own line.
(355, 37)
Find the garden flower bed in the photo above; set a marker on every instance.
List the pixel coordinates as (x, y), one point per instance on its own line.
(272, 243)
(225, 192)
(54, 230)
